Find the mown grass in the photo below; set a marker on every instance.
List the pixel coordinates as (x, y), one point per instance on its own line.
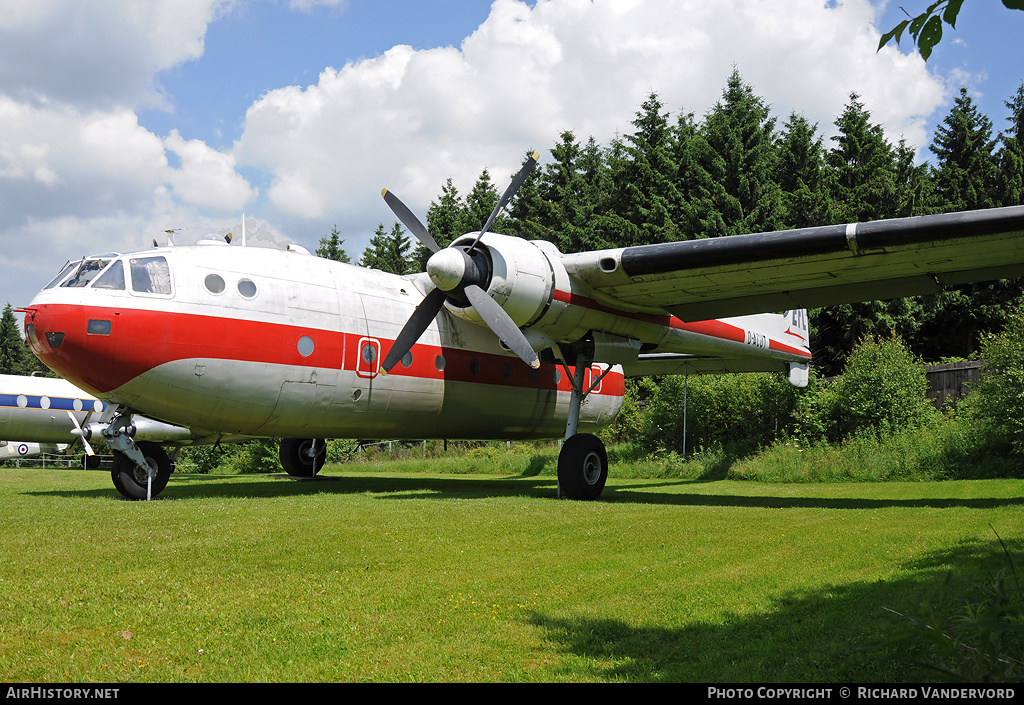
(376, 574)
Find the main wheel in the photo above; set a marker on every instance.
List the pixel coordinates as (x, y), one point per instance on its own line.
(303, 457)
(582, 467)
(131, 480)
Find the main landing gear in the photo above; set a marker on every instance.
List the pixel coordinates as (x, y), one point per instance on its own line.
(583, 461)
(302, 457)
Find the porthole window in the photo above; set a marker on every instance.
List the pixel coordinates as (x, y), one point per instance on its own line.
(558, 375)
(407, 359)
(474, 366)
(439, 363)
(214, 283)
(247, 288)
(306, 346)
(369, 354)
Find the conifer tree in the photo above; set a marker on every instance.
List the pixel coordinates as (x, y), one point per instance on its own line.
(964, 176)
(389, 252)
(735, 155)
(862, 168)
(643, 198)
(331, 247)
(1010, 158)
(801, 174)
(444, 222)
(479, 204)
(15, 358)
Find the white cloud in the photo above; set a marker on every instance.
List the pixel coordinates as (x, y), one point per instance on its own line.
(98, 54)
(409, 119)
(207, 178)
(79, 173)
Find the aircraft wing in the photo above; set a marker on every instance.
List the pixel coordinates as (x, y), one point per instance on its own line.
(808, 268)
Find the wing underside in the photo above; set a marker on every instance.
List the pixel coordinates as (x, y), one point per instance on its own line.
(808, 268)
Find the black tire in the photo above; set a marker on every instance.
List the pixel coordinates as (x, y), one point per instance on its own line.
(296, 458)
(582, 467)
(131, 481)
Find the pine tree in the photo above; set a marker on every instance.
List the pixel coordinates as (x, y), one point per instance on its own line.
(525, 212)
(644, 200)
(861, 168)
(735, 188)
(965, 175)
(15, 358)
(1010, 158)
(389, 252)
(330, 247)
(444, 222)
(801, 174)
(862, 175)
(479, 204)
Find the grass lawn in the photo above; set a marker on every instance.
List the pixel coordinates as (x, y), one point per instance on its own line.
(367, 575)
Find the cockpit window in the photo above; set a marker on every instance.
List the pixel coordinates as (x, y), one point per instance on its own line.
(151, 275)
(63, 273)
(113, 278)
(86, 272)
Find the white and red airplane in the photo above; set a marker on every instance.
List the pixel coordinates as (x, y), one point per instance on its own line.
(501, 338)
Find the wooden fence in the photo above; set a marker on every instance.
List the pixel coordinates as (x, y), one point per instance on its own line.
(949, 382)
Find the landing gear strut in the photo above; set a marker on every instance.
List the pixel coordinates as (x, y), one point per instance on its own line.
(583, 461)
(302, 457)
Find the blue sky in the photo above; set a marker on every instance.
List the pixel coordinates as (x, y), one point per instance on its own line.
(156, 114)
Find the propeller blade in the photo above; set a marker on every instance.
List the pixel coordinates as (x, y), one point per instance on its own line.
(502, 325)
(507, 196)
(419, 321)
(410, 220)
(80, 434)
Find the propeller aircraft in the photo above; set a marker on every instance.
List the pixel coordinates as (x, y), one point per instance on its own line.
(49, 416)
(501, 338)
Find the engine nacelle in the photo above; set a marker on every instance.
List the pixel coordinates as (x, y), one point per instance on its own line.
(522, 277)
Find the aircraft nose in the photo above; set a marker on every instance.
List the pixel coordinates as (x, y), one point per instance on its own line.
(45, 337)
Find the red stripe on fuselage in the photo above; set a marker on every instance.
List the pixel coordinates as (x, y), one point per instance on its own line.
(141, 340)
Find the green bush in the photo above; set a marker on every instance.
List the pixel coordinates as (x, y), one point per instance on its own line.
(999, 397)
(882, 390)
(742, 411)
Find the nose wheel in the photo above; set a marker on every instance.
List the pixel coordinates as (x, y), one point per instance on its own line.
(137, 483)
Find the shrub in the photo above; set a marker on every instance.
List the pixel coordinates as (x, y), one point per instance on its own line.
(999, 397)
(737, 410)
(882, 390)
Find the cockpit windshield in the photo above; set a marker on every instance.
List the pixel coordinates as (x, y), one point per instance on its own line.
(87, 270)
(63, 273)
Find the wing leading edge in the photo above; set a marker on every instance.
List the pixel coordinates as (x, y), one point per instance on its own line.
(810, 267)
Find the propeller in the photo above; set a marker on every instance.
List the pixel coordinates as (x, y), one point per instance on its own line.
(80, 433)
(462, 274)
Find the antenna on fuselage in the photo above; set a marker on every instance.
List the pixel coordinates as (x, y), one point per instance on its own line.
(243, 229)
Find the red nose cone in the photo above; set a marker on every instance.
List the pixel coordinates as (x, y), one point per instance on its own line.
(76, 343)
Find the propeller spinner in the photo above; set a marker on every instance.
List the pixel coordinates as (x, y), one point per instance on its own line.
(460, 273)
